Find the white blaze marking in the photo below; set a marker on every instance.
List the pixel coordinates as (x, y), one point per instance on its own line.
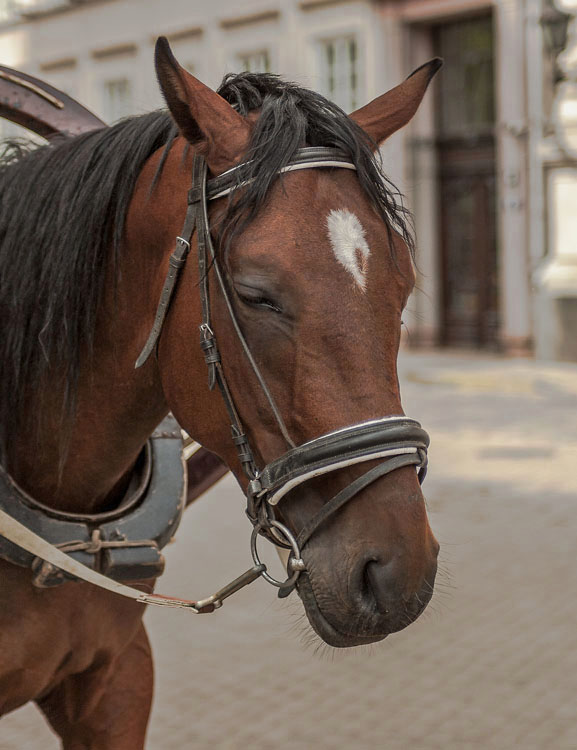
(349, 245)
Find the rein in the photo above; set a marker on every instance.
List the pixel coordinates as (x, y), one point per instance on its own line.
(396, 441)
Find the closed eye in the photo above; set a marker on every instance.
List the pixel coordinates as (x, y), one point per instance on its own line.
(259, 301)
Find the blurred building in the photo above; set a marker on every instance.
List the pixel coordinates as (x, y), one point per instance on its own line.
(488, 164)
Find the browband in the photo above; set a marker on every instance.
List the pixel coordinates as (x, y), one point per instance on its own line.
(305, 158)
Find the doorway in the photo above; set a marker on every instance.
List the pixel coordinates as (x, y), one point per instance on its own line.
(465, 144)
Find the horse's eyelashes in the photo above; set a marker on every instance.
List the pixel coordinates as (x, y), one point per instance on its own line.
(260, 302)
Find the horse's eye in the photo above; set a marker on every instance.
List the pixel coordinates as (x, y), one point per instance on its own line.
(259, 301)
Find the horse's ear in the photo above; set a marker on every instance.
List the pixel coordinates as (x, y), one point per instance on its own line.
(391, 111)
(203, 117)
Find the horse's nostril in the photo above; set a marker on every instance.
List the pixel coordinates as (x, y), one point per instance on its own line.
(382, 587)
(386, 590)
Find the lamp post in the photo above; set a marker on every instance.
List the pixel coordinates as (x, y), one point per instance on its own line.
(554, 26)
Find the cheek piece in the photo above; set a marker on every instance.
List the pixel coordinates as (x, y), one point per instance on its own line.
(396, 441)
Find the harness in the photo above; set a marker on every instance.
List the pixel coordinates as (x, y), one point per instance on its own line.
(396, 441)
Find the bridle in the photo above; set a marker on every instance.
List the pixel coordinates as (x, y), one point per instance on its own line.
(396, 441)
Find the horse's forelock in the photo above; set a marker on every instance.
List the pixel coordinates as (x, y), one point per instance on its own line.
(291, 117)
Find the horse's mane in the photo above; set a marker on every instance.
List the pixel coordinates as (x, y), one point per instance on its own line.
(63, 208)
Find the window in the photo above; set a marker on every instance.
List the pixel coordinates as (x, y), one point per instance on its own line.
(254, 62)
(36, 7)
(7, 10)
(339, 71)
(466, 100)
(117, 99)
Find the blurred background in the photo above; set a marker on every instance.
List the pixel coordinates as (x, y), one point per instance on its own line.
(489, 168)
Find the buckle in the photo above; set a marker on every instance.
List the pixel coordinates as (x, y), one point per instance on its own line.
(195, 194)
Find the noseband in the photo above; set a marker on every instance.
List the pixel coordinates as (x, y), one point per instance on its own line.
(395, 441)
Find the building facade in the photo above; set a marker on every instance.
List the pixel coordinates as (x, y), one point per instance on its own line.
(487, 164)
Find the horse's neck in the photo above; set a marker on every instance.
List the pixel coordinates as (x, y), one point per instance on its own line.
(117, 406)
(89, 469)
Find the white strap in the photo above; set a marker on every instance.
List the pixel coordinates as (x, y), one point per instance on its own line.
(274, 497)
(18, 534)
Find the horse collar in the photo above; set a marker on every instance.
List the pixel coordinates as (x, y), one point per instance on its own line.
(123, 543)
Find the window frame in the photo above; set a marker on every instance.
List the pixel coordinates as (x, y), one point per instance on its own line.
(242, 56)
(317, 45)
(126, 110)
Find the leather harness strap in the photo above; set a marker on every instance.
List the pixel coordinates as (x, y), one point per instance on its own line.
(124, 542)
(35, 545)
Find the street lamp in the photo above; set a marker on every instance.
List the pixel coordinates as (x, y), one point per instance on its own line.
(554, 24)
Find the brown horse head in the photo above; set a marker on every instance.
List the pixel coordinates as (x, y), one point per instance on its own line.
(318, 268)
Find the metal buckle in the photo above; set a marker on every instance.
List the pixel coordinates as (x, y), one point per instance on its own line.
(184, 242)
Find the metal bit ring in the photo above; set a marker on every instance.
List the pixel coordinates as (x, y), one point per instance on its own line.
(296, 553)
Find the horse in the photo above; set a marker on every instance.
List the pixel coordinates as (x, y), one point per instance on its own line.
(308, 253)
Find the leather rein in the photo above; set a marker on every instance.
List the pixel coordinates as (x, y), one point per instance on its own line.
(396, 441)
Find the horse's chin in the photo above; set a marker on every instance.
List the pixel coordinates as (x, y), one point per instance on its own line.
(322, 626)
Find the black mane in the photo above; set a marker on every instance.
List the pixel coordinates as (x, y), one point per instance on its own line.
(63, 208)
(62, 211)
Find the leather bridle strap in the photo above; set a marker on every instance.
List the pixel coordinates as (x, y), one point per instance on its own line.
(207, 338)
(239, 334)
(196, 218)
(378, 438)
(305, 158)
(176, 264)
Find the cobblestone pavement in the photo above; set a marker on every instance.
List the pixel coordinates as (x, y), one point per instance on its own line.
(492, 664)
